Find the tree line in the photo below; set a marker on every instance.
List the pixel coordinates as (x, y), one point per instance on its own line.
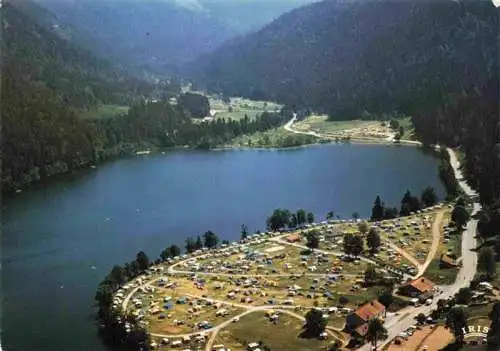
(283, 218)
(42, 138)
(409, 204)
(113, 329)
(46, 83)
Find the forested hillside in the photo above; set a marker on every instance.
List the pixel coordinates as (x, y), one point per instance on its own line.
(45, 79)
(31, 52)
(161, 34)
(471, 121)
(436, 61)
(345, 58)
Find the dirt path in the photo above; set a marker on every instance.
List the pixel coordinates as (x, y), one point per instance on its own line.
(406, 255)
(436, 235)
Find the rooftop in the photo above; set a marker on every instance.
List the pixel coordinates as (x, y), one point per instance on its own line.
(370, 310)
(421, 284)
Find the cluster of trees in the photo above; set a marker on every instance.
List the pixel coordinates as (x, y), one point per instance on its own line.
(197, 105)
(354, 244)
(210, 240)
(170, 252)
(447, 175)
(282, 218)
(312, 239)
(315, 323)
(494, 331)
(460, 215)
(282, 141)
(487, 263)
(114, 330)
(397, 128)
(409, 203)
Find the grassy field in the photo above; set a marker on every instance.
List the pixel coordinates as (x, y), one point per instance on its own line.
(104, 111)
(454, 244)
(438, 275)
(321, 124)
(413, 233)
(256, 327)
(241, 107)
(408, 127)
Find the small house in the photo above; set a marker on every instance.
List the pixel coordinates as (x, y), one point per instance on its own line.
(358, 320)
(417, 287)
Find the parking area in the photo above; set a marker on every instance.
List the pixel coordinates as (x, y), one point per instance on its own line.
(427, 338)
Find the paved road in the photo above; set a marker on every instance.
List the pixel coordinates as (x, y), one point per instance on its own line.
(465, 274)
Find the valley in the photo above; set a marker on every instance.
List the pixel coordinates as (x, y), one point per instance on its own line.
(217, 175)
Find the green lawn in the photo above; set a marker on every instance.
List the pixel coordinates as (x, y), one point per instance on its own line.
(455, 244)
(256, 327)
(479, 312)
(322, 125)
(104, 111)
(241, 107)
(408, 127)
(440, 276)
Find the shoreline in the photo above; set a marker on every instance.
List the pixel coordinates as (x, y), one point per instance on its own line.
(157, 151)
(355, 141)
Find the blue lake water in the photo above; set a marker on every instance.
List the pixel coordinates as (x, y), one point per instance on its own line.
(59, 239)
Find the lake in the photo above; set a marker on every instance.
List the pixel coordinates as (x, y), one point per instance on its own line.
(59, 239)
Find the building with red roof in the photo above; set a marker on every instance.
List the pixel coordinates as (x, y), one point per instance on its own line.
(417, 287)
(358, 320)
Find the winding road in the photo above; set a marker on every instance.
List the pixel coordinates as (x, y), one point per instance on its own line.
(288, 126)
(465, 275)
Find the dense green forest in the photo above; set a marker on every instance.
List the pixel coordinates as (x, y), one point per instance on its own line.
(345, 58)
(471, 121)
(46, 80)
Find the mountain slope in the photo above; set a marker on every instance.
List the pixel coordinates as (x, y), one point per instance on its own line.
(44, 78)
(346, 57)
(32, 52)
(161, 34)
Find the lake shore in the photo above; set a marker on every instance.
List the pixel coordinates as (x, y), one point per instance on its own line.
(152, 150)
